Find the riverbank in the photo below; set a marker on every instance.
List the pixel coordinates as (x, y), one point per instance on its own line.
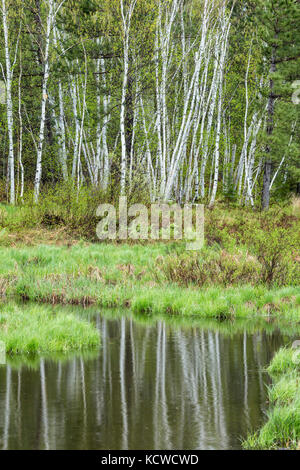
(282, 429)
(249, 267)
(249, 270)
(133, 277)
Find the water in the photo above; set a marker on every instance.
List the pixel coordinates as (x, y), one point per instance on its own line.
(152, 386)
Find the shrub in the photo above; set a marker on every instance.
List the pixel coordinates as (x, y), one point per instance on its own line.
(270, 257)
(275, 249)
(59, 206)
(210, 268)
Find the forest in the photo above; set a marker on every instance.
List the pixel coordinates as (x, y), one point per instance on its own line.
(143, 343)
(184, 100)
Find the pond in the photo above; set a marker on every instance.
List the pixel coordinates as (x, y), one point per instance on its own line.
(153, 385)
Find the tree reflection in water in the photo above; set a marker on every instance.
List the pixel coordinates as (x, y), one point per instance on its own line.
(152, 386)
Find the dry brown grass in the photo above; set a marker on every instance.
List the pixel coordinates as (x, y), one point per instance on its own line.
(4, 284)
(38, 236)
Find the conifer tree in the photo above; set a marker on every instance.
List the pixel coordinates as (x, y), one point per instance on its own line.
(279, 30)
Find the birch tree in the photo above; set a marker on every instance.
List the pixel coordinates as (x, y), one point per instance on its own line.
(38, 173)
(160, 99)
(9, 102)
(126, 13)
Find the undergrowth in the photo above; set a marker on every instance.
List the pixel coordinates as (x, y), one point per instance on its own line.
(282, 430)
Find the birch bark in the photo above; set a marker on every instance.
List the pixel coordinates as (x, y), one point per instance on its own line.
(126, 20)
(9, 106)
(38, 173)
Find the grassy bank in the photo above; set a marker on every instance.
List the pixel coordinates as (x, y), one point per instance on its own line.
(249, 270)
(130, 276)
(225, 328)
(31, 330)
(282, 429)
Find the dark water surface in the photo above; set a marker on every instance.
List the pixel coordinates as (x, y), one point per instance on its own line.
(151, 387)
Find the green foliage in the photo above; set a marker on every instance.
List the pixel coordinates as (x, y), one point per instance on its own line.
(283, 362)
(60, 206)
(282, 429)
(65, 206)
(270, 241)
(275, 254)
(230, 195)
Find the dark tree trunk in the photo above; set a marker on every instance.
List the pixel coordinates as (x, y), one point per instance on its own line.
(38, 21)
(265, 199)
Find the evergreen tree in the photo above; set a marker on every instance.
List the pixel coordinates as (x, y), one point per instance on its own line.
(279, 30)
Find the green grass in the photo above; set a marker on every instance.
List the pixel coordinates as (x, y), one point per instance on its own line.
(283, 362)
(282, 429)
(126, 276)
(38, 330)
(119, 276)
(246, 277)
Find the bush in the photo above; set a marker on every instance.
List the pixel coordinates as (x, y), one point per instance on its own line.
(276, 251)
(61, 206)
(209, 267)
(269, 256)
(65, 206)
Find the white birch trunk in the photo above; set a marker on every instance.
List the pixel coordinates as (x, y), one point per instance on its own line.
(38, 173)
(106, 102)
(9, 106)
(126, 20)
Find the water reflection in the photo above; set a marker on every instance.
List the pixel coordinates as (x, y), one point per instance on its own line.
(151, 387)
